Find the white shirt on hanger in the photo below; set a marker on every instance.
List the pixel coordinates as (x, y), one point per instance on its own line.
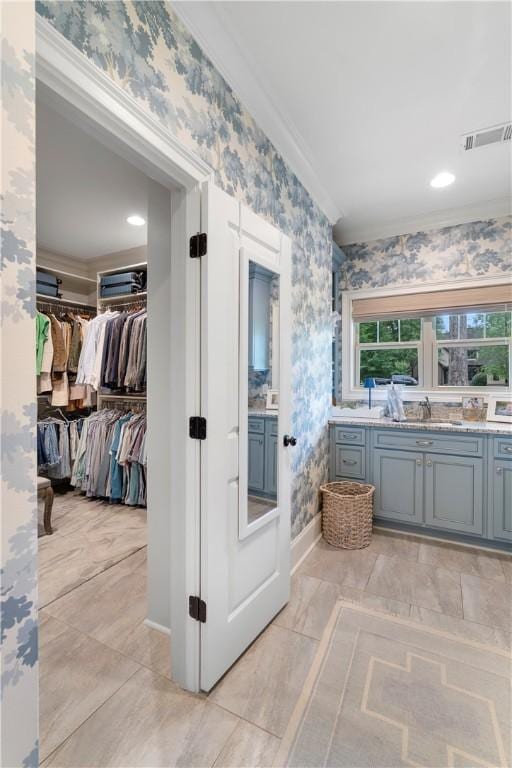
(86, 373)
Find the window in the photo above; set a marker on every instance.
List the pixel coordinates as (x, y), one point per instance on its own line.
(431, 351)
(472, 349)
(389, 350)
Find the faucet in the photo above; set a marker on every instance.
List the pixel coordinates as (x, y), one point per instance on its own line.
(426, 407)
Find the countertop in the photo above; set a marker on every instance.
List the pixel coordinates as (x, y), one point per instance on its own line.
(263, 412)
(479, 427)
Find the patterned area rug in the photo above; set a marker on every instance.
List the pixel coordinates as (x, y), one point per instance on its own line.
(385, 691)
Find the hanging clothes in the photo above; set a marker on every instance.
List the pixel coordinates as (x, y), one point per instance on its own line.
(57, 442)
(111, 457)
(42, 328)
(92, 350)
(59, 353)
(114, 352)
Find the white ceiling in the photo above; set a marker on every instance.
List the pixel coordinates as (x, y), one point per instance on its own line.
(367, 101)
(84, 192)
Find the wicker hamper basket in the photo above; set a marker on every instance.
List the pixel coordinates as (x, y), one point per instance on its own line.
(347, 514)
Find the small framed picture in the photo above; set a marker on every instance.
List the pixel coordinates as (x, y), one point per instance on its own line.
(473, 408)
(272, 400)
(499, 408)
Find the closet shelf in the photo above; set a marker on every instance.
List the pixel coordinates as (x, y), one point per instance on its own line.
(66, 302)
(122, 297)
(64, 273)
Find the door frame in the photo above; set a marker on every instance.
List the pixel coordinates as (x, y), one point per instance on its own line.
(76, 87)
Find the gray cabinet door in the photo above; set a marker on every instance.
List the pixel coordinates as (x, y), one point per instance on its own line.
(256, 469)
(398, 480)
(454, 493)
(501, 496)
(271, 465)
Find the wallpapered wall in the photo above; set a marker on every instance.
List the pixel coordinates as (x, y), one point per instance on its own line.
(145, 49)
(18, 722)
(477, 249)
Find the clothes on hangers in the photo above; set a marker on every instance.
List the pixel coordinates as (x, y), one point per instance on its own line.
(57, 441)
(111, 457)
(92, 349)
(59, 353)
(114, 352)
(42, 327)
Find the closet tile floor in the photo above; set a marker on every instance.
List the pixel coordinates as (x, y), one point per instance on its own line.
(89, 537)
(106, 696)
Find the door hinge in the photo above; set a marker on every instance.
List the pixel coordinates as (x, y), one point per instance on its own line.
(197, 427)
(197, 608)
(198, 245)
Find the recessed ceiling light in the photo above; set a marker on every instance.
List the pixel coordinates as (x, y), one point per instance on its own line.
(136, 221)
(443, 179)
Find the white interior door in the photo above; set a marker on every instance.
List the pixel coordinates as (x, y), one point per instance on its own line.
(245, 531)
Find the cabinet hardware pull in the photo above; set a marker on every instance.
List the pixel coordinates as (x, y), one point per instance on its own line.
(499, 470)
(507, 448)
(429, 463)
(348, 435)
(418, 462)
(424, 442)
(349, 461)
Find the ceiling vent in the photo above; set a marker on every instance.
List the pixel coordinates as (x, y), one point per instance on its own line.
(497, 134)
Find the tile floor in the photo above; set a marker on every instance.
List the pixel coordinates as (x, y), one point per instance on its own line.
(106, 696)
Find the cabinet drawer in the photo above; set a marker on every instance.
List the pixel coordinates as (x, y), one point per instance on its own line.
(433, 442)
(349, 462)
(257, 425)
(349, 435)
(503, 447)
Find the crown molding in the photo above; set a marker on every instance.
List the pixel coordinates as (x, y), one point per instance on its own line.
(490, 209)
(210, 26)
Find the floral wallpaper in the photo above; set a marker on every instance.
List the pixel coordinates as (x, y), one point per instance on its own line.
(18, 619)
(146, 50)
(480, 248)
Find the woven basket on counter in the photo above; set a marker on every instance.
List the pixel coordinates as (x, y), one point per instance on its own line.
(347, 513)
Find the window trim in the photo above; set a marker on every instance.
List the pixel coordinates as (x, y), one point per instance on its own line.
(428, 346)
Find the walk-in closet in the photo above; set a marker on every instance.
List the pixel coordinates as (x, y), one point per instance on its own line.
(91, 373)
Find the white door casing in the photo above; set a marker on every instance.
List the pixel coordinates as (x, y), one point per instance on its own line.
(245, 569)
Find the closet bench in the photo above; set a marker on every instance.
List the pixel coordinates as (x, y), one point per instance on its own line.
(45, 490)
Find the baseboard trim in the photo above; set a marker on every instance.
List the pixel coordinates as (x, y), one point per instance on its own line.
(158, 627)
(305, 541)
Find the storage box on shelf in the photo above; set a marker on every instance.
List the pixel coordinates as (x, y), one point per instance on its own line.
(119, 285)
(451, 482)
(61, 284)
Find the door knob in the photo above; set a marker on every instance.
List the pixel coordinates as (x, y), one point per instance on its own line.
(289, 440)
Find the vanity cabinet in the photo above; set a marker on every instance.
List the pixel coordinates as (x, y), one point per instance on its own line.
(398, 480)
(456, 482)
(262, 443)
